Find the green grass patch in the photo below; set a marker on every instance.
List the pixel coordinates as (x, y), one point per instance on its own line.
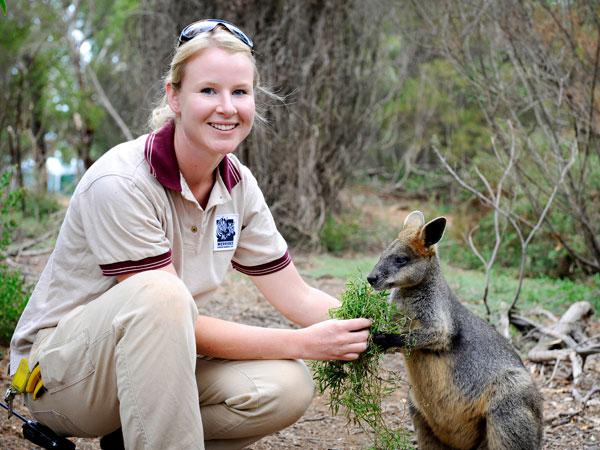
(358, 387)
(552, 294)
(339, 267)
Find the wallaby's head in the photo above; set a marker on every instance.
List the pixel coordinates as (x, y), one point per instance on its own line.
(406, 261)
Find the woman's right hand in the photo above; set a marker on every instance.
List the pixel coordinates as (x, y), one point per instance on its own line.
(335, 339)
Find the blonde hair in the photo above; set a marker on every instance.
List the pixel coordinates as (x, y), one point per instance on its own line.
(218, 37)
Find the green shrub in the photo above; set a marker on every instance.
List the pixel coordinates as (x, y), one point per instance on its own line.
(545, 256)
(355, 231)
(40, 204)
(38, 216)
(14, 291)
(339, 234)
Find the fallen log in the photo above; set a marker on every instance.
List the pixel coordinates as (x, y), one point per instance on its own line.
(563, 340)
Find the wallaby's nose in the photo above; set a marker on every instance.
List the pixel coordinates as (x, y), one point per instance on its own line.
(372, 280)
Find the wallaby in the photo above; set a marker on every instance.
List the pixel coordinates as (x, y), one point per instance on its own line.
(469, 388)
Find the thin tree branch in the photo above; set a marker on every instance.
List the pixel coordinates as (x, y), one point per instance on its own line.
(108, 105)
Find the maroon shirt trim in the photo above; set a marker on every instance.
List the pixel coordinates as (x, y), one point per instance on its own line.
(159, 151)
(160, 155)
(264, 269)
(150, 263)
(229, 174)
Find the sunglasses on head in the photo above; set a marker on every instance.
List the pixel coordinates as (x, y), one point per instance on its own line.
(206, 25)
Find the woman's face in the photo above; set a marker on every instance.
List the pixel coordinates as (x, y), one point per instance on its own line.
(215, 104)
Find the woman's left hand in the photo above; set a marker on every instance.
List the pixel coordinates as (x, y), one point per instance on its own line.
(335, 339)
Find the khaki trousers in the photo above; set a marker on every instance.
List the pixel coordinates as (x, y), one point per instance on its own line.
(129, 359)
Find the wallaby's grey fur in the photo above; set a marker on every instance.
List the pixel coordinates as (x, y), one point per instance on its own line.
(469, 388)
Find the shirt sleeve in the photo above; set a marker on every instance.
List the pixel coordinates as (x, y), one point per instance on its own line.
(122, 226)
(261, 249)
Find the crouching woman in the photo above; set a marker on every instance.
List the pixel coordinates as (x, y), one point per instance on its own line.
(150, 233)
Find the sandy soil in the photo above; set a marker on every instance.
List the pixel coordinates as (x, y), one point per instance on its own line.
(239, 300)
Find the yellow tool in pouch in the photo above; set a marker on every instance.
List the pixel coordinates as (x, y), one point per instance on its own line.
(34, 383)
(26, 381)
(17, 385)
(19, 381)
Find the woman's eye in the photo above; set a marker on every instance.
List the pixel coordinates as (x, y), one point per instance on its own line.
(240, 92)
(208, 91)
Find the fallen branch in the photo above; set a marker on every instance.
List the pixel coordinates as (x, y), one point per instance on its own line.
(19, 249)
(564, 340)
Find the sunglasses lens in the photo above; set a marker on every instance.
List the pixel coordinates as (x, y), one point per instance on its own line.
(239, 34)
(194, 29)
(204, 26)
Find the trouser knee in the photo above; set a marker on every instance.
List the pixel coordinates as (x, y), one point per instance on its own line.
(251, 399)
(159, 298)
(292, 393)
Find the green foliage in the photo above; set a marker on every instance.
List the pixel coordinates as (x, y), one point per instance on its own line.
(3, 6)
(13, 289)
(8, 201)
(38, 216)
(339, 234)
(40, 204)
(436, 101)
(353, 230)
(14, 292)
(546, 256)
(360, 386)
(552, 294)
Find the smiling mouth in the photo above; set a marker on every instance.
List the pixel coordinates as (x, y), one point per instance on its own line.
(223, 127)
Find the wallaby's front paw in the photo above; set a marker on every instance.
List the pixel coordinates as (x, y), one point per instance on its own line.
(384, 340)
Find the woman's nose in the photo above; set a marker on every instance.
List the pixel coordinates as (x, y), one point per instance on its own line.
(226, 106)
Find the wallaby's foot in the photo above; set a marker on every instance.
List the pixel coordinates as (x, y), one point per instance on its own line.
(425, 437)
(515, 423)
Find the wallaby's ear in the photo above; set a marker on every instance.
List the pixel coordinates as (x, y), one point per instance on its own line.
(433, 231)
(414, 219)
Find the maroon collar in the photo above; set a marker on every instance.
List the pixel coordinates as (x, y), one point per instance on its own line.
(160, 155)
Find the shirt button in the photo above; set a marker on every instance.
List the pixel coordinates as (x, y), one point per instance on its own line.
(194, 229)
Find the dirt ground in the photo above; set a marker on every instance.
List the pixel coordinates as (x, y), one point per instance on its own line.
(566, 426)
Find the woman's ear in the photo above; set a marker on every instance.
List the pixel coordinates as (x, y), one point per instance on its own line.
(172, 97)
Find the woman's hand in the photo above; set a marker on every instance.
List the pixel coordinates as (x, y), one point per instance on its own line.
(335, 339)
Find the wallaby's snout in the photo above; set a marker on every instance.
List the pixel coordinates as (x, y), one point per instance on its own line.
(378, 280)
(372, 279)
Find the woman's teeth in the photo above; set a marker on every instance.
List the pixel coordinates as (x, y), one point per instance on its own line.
(223, 127)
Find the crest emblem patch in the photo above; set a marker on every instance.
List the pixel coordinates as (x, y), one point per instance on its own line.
(226, 226)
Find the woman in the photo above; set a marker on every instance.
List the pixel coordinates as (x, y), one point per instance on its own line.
(151, 229)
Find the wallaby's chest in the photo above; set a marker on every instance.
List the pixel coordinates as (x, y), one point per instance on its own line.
(454, 418)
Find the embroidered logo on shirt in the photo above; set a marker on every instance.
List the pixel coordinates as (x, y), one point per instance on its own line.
(225, 231)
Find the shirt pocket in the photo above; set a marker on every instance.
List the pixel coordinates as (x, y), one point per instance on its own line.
(67, 363)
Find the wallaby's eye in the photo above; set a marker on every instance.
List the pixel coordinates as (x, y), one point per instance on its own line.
(400, 261)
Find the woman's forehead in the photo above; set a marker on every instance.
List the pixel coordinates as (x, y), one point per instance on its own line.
(218, 65)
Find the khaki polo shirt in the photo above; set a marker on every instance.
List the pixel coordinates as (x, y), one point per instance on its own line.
(133, 211)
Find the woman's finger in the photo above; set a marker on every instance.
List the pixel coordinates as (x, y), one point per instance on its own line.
(356, 324)
(349, 357)
(356, 336)
(358, 347)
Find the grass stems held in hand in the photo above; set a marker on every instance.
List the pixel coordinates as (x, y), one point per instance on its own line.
(360, 386)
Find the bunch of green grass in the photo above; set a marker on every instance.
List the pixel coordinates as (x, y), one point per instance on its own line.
(359, 386)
